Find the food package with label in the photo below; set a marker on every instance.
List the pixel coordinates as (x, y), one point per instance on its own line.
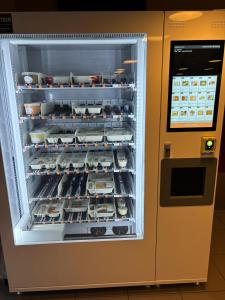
(63, 137)
(102, 158)
(106, 209)
(118, 134)
(79, 109)
(122, 206)
(85, 135)
(44, 160)
(32, 109)
(41, 209)
(40, 135)
(55, 208)
(80, 79)
(94, 108)
(61, 80)
(72, 206)
(75, 159)
(121, 158)
(33, 78)
(100, 183)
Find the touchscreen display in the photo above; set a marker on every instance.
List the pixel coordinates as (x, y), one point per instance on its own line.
(195, 72)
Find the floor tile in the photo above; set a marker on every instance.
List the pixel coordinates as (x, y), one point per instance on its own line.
(204, 296)
(215, 282)
(155, 296)
(220, 214)
(218, 242)
(44, 296)
(165, 288)
(118, 293)
(219, 261)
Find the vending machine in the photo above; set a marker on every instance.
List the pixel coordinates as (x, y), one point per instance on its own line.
(80, 113)
(191, 124)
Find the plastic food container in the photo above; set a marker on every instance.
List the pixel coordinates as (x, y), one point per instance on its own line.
(33, 78)
(65, 138)
(100, 183)
(32, 108)
(90, 135)
(94, 109)
(46, 160)
(102, 158)
(81, 79)
(76, 160)
(121, 158)
(41, 209)
(55, 208)
(118, 135)
(78, 109)
(41, 134)
(122, 207)
(105, 210)
(76, 206)
(61, 80)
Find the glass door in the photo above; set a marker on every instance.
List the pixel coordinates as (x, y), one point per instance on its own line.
(76, 113)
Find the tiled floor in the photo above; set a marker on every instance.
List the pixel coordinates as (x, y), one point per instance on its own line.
(213, 290)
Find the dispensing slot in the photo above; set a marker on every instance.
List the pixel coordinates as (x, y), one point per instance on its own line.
(187, 181)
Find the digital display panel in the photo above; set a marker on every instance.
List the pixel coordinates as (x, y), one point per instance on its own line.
(194, 84)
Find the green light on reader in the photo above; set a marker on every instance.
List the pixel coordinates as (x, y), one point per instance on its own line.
(209, 143)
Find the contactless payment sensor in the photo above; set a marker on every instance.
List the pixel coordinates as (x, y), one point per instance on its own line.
(208, 145)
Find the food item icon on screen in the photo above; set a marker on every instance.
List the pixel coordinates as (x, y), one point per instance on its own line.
(194, 83)
(200, 112)
(192, 113)
(185, 83)
(184, 98)
(175, 98)
(212, 82)
(202, 98)
(174, 113)
(210, 97)
(209, 112)
(183, 113)
(203, 83)
(192, 98)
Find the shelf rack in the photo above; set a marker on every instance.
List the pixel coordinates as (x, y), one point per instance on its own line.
(21, 88)
(47, 189)
(83, 217)
(103, 144)
(85, 117)
(86, 169)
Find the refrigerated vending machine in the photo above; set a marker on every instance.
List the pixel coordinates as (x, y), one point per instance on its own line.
(191, 124)
(80, 105)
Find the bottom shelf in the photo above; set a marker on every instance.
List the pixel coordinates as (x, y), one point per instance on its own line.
(58, 233)
(78, 226)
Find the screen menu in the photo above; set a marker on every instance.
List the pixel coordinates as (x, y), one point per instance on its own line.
(193, 101)
(195, 71)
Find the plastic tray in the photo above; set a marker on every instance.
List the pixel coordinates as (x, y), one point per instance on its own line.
(100, 183)
(86, 135)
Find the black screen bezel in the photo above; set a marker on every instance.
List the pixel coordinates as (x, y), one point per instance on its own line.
(214, 122)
